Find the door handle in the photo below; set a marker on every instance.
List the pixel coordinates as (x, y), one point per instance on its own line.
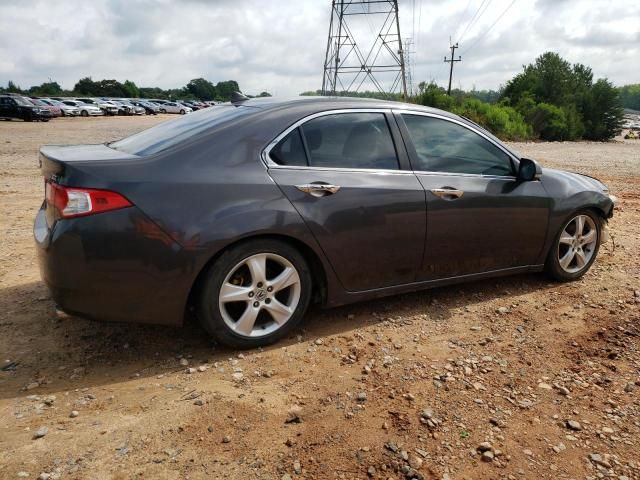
(318, 189)
(447, 193)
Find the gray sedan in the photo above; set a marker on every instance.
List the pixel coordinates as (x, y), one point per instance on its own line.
(246, 213)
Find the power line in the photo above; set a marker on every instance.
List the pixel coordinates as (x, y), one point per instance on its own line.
(476, 17)
(462, 18)
(477, 40)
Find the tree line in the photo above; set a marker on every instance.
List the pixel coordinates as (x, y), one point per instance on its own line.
(196, 89)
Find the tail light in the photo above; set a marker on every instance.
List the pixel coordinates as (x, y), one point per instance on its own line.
(77, 202)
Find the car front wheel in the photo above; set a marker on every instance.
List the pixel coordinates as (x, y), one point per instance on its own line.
(575, 247)
(255, 293)
(182, 112)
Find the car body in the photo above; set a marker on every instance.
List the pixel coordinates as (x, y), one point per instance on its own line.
(86, 109)
(53, 109)
(135, 109)
(18, 107)
(174, 107)
(149, 108)
(106, 106)
(65, 110)
(359, 198)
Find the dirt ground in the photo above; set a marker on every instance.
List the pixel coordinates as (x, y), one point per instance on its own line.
(543, 376)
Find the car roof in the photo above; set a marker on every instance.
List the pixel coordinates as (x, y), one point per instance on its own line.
(335, 103)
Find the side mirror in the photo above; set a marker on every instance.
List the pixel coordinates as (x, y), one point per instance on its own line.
(529, 170)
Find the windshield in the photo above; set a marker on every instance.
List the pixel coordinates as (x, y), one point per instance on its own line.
(23, 101)
(170, 133)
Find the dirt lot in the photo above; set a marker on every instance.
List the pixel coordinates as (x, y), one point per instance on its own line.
(407, 387)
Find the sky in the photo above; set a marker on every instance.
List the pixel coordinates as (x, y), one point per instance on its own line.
(279, 46)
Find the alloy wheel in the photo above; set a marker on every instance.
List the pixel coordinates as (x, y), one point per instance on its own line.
(577, 243)
(259, 295)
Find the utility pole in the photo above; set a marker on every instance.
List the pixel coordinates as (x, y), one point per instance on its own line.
(459, 59)
(370, 62)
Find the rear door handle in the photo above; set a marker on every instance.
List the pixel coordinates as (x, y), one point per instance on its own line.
(447, 193)
(318, 189)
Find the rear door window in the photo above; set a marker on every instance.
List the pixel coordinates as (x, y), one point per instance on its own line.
(342, 140)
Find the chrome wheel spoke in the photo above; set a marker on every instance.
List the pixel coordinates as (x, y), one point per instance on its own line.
(247, 320)
(566, 238)
(566, 260)
(278, 311)
(579, 225)
(234, 293)
(285, 279)
(258, 268)
(588, 238)
(581, 259)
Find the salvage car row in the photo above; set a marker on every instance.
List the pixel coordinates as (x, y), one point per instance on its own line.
(29, 109)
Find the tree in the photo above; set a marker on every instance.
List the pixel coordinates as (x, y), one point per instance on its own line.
(602, 112)
(130, 89)
(202, 89)
(225, 89)
(630, 96)
(13, 88)
(264, 94)
(86, 86)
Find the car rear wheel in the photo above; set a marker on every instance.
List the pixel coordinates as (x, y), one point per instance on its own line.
(162, 110)
(84, 113)
(575, 247)
(255, 293)
(182, 112)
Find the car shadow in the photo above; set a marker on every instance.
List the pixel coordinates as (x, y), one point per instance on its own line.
(42, 353)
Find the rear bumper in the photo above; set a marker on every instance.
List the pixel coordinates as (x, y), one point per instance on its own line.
(115, 266)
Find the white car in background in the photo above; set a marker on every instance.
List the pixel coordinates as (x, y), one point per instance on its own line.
(107, 107)
(86, 109)
(67, 110)
(173, 107)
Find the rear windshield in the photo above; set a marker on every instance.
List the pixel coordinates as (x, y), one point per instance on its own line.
(170, 133)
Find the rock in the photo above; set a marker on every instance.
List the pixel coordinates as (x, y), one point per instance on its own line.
(629, 387)
(599, 460)
(607, 430)
(371, 471)
(362, 397)
(41, 432)
(44, 476)
(184, 362)
(23, 474)
(297, 467)
(202, 368)
(559, 448)
(544, 386)
(319, 341)
(562, 390)
(237, 377)
(74, 413)
(484, 447)
(415, 462)
(574, 425)
(32, 385)
(190, 370)
(226, 439)
(286, 476)
(528, 452)
(199, 402)
(487, 456)
(427, 413)
(502, 310)
(294, 415)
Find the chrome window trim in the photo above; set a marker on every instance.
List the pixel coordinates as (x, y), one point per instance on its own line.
(468, 127)
(271, 164)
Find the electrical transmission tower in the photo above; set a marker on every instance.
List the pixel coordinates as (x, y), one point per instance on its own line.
(348, 66)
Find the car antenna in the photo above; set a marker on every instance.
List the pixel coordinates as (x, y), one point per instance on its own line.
(238, 98)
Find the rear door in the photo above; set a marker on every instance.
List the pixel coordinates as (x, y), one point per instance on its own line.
(342, 172)
(480, 218)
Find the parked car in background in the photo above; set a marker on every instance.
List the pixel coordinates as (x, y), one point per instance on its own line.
(173, 107)
(106, 106)
(16, 106)
(66, 110)
(275, 203)
(135, 109)
(149, 108)
(86, 110)
(53, 109)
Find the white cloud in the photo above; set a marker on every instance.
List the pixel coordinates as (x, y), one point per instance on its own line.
(279, 46)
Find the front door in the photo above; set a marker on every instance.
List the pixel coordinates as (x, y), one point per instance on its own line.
(341, 173)
(480, 218)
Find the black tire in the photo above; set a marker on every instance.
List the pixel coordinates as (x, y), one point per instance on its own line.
(208, 308)
(182, 112)
(162, 110)
(84, 113)
(552, 264)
